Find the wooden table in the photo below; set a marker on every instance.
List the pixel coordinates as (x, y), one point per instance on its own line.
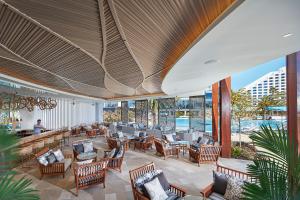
(182, 145)
(191, 197)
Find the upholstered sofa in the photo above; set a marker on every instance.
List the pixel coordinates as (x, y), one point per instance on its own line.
(84, 149)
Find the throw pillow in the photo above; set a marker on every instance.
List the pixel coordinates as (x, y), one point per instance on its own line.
(234, 189)
(199, 139)
(43, 160)
(88, 147)
(204, 140)
(59, 155)
(120, 134)
(220, 182)
(174, 137)
(142, 134)
(155, 190)
(163, 181)
(169, 137)
(51, 158)
(136, 134)
(112, 153)
(85, 162)
(79, 148)
(120, 152)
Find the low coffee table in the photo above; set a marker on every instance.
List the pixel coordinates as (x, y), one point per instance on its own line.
(182, 145)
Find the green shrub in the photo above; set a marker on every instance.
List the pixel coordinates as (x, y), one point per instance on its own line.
(236, 152)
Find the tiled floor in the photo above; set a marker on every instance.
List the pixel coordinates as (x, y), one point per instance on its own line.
(180, 172)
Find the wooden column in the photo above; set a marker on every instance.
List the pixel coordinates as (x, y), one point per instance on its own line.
(215, 111)
(225, 117)
(293, 93)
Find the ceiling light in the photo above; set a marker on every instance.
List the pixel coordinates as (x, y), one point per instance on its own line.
(211, 61)
(287, 35)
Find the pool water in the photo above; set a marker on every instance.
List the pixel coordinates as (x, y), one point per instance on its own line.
(246, 125)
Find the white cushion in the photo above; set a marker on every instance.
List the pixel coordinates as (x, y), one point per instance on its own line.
(59, 155)
(42, 160)
(85, 162)
(204, 140)
(88, 147)
(170, 137)
(136, 133)
(112, 153)
(155, 190)
(120, 134)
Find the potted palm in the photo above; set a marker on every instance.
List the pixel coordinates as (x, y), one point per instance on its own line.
(10, 186)
(276, 167)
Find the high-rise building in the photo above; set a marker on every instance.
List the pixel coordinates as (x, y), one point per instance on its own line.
(262, 86)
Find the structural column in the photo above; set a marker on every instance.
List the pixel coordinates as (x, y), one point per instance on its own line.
(215, 111)
(225, 117)
(293, 97)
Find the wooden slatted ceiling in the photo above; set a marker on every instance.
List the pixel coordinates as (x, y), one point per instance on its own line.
(118, 60)
(76, 20)
(47, 50)
(88, 90)
(20, 70)
(6, 54)
(159, 32)
(137, 40)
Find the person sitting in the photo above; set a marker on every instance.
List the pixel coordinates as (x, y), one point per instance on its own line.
(38, 128)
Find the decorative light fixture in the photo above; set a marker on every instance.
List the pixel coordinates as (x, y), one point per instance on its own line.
(16, 102)
(211, 61)
(287, 35)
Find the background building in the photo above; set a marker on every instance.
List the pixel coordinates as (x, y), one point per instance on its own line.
(262, 86)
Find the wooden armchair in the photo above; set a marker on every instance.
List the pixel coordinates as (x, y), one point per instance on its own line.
(135, 173)
(144, 143)
(112, 142)
(91, 133)
(114, 163)
(89, 174)
(208, 190)
(57, 168)
(205, 154)
(166, 152)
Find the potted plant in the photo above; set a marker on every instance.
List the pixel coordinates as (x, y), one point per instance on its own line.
(276, 167)
(10, 186)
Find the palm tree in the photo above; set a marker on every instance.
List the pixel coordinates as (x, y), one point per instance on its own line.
(276, 167)
(10, 187)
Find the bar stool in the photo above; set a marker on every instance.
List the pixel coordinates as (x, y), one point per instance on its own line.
(25, 153)
(58, 139)
(38, 145)
(49, 142)
(67, 136)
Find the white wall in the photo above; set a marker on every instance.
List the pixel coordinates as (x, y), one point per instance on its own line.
(66, 114)
(28, 119)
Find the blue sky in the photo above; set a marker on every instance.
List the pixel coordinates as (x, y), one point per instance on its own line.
(242, 79)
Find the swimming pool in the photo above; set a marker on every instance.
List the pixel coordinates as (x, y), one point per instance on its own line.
(246, 125)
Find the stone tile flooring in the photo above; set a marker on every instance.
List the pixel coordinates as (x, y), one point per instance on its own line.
(180, 172)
